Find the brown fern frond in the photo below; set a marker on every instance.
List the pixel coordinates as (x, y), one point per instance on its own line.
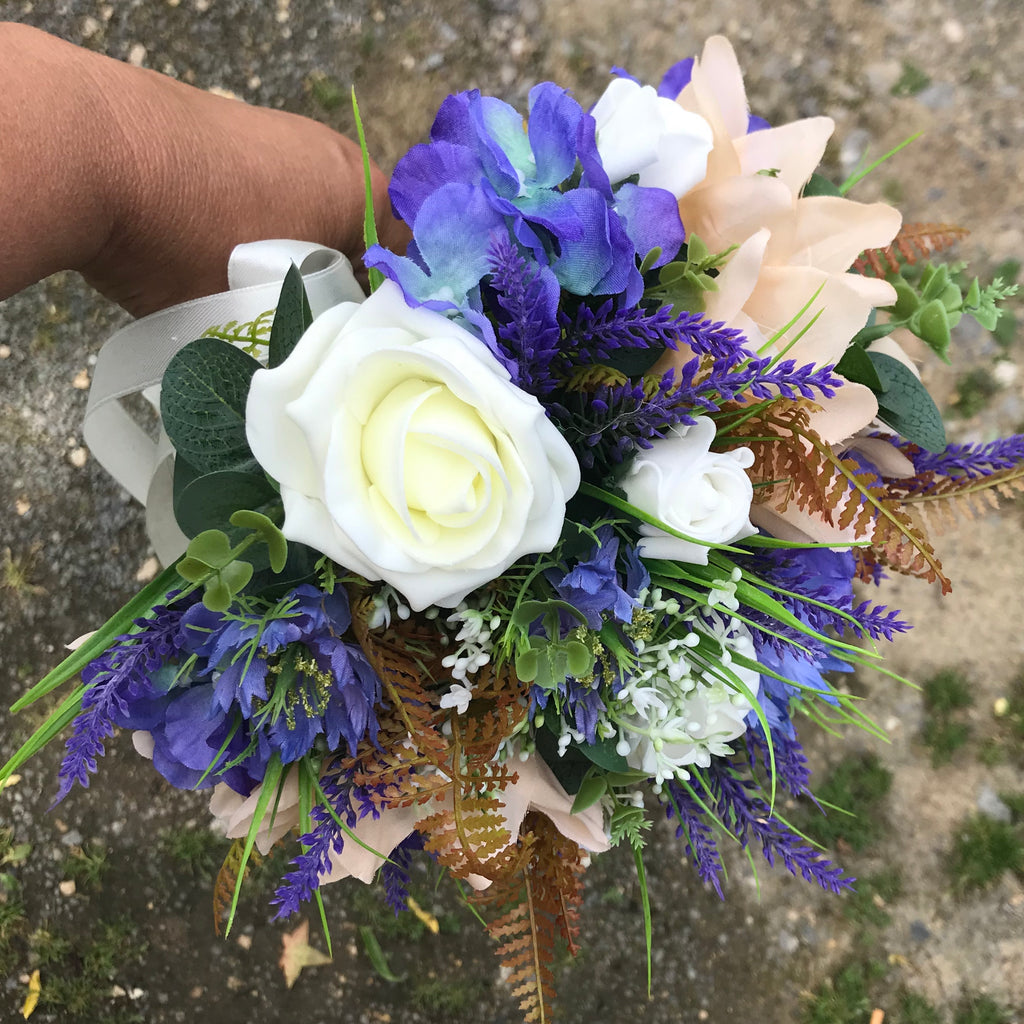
(538, 908)
(943, 500)
(914, 242)
(227, 880)
(840, 491)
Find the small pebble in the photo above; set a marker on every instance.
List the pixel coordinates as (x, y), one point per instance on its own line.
(953, 30)
(1000, 707)
(67, 887)
(72, 838)
(137, 55)
(245, 941)
(78, 457)
(919, 931)
(148, 570)
(22, 506)
(5, 351)
(81, 380)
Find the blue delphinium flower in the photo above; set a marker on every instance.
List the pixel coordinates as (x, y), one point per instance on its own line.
(592, 587)
(483, 176)
(254, 683)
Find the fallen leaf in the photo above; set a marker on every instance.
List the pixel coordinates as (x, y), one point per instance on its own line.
(428, 919)
(34, 988)
(297, 953)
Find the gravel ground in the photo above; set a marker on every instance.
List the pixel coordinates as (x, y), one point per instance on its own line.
(72, 545)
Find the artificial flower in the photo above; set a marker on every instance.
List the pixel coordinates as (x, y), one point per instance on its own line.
(404, 452)
(642, 133)
(703, 494)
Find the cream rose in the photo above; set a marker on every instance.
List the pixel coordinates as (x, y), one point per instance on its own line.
(405, 453)
(640, 132)
(701, 493)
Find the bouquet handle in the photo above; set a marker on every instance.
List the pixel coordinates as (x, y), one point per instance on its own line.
(134, 359)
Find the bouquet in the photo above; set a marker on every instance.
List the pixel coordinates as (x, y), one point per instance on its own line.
(555, 531)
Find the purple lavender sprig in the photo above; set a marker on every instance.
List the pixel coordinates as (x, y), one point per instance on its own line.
(121, 674)
(526, 298)
(700, 839)
(298, 885)
(749, 817)
(972, 460)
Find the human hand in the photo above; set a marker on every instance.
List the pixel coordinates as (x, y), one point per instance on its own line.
(144, 184)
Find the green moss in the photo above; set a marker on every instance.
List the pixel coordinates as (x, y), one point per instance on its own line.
(450, 995)
(80, 982)
(845, 998)
(982, 850)
(865, 906)
(911, 82)
(978, 1009)
(946, 696)
(198, 850)
(857, 785)
(914, 1009)
(326, 92)
(974, 390)
(86, 865)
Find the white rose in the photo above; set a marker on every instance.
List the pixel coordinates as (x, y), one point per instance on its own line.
(405, 453)
(698, 492)
(639, 131)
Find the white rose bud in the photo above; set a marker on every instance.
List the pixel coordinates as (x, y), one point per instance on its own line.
(405, 453)
(701, 493)
(640, 132)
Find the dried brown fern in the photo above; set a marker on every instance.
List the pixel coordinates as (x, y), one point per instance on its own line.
(227, 879)
(537, 908)
(806, 471)
(424, 755)
(941, 501)
(914, 242)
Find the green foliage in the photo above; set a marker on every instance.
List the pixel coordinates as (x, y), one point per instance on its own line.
(979, 1009)
(211, 561)
(251, 336)
(369, 218)
(912, 81)
(915, 1009)
(451, 996)
(982, 850)
(844, 999)
(202, 403)
(865, 906)
(86, 865)
(682, 283)
(934, 302)
(857, 785)
(81, 984)
(207, 501)
(326, 91)
(944, 732)
(199, 851)
(905, 405)
(974, 390)
(292, 318)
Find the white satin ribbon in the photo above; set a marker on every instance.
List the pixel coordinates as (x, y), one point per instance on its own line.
(134, 359)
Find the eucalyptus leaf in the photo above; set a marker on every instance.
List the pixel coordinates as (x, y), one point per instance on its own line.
(906, 406)
(210, 500)
(819, 185)
(292, 318)
(604, 755)
(591, 790)
(856, 367)
(202, 403)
